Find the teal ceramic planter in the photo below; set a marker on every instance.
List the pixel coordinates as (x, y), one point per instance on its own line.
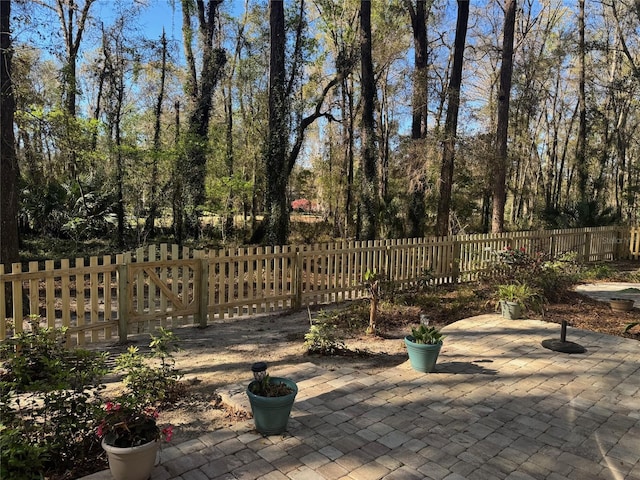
(423, 357)
(271, 414)
(510, 310)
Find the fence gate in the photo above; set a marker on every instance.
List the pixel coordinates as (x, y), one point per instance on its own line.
(163, 293)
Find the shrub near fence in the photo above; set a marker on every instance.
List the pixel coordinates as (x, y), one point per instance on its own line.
(109, 297)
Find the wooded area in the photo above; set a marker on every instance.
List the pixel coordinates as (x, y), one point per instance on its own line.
(394, 119)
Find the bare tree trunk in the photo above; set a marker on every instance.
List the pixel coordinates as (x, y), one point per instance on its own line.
(9, 236)
(417, 208)
(451, 121)
(149, 226)
(349, 128)
(581, 148)
(369, 190)
(115, 67)
(504, 94)
(178, 198)
(66, 10)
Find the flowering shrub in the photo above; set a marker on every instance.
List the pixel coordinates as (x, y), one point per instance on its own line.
(128, 424)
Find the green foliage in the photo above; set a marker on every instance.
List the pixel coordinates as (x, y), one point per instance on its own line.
(48, 398)
(522, 294)
(322, 337)
(423, 282)
(512, 264)
(68, 209)
(148, 382)
(549, 278)
(51, 399)
(630, 276)
(428, 335)
(37, 360)
(308, 230)
(597, 272)
(22, 459)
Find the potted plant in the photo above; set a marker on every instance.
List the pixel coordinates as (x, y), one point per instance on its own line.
(423, 346)
(513, 298)
(271, 400)
(131, 437)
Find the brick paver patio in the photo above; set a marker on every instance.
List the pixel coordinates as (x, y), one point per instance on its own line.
(498, 406)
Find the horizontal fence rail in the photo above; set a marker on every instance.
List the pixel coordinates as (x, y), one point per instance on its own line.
(110, 297)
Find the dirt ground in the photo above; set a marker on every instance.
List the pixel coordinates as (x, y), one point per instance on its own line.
(222, 353)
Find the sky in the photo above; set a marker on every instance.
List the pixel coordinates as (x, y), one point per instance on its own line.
(157, 15)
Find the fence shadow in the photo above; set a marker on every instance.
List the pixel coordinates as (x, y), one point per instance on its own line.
(469, 368)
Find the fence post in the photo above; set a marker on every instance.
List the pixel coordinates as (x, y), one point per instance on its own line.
(202, 316)
(587, 247)
(297, 281)
(618, 250)
(123, 302)
(455, 262)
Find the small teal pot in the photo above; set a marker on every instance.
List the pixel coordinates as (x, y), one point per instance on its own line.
(423, 357)
(271, 414)
(511, 310)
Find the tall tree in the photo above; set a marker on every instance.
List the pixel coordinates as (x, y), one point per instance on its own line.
(279, 158)
(9, 239)
(157, 127)
(581, 148)
(116, 63)
(369, 202)
(502, 129)
(199, 88)
(419, 100)
(73, 17)
(451, 121)
(277, 225)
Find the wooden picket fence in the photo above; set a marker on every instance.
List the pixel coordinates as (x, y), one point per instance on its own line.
(111, 297)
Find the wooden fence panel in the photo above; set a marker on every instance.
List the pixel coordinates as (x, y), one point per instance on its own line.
(634, 244)
(97, 298)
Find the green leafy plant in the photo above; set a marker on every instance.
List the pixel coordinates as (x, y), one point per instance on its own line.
(38, 360)
(520, 293)
(22, 458)
(428, 335)
(48, 399)
(152, 382)
(322, 337)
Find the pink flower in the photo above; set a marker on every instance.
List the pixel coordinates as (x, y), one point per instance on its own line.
(168, 433)
(101, 429)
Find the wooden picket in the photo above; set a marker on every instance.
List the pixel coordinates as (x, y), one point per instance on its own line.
(110, 297)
